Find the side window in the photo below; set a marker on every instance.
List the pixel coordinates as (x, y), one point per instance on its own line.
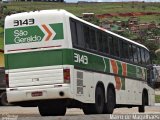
(147, 57)
(111, 46)
(131, 53)
(77, 33)
(116, 46)
(125, 51)
(121, 48)
(105, 44)
(80, 35)
(135, 56)
(86, 36)
(143, 56)
(100, 42)
(93, 44)
(74, 32)
(139, 55)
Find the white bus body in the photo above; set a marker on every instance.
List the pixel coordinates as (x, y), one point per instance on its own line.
(44, 67)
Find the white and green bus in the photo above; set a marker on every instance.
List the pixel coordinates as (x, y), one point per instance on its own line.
(55, 60)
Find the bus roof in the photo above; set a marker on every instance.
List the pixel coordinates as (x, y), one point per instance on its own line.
(64, 12)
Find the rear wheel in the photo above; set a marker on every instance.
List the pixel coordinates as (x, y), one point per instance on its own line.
(111, 101)
(4, 100)
(98, 107)
(52, 110)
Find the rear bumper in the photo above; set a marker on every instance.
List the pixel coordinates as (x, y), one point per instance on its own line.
(20, 94)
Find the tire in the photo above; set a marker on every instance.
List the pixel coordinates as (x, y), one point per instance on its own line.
(4, 101)
(98, 107)
(111, 101)
(141, 108)
(52, 110)
(88, 109)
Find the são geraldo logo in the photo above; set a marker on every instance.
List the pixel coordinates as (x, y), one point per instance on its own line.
(25, 36)
(21, 36)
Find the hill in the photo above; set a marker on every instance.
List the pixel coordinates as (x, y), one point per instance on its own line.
(97, 8)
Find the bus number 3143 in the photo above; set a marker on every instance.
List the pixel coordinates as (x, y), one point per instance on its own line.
(23, 22)
(80, 58)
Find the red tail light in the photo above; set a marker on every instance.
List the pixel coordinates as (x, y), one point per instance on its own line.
(7, 80)
(66, 74)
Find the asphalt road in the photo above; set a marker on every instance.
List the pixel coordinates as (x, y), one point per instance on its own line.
(30, 113)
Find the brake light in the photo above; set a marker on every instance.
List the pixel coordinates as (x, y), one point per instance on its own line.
(7, 80)
(66, 75)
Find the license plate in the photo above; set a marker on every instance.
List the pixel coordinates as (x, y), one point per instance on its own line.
(36, 94)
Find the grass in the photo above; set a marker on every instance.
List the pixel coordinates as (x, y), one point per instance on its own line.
(157, 98)
(1, 38)
(97, 8)
(1, 29)
(78, 9)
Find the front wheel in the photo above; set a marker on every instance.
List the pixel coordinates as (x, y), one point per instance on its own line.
(144, 102)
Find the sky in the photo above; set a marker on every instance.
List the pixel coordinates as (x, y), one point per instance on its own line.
(111, 0)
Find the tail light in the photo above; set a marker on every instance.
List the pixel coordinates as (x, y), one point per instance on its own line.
(66, 75)
(7, 80)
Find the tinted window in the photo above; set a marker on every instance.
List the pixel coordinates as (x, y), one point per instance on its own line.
(77, 33)
(105, 44)
(131, 53)
(93, 39)
(86, 37)
(147, 57)
(74, 32)
(139, 55)
(121, 48)
(116, 47)
(100, 42)
(111, 46)
(80, 35)
(125, 51)
(143, 56)
(135, 56)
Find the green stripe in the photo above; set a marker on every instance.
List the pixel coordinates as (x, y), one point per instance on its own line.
(119, 68)
(33, 59)
(131, 70)
(94, 62)
(107, 65)
(66, 57)
(123, 83)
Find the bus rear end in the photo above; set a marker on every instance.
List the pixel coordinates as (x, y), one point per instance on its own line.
(34, 57)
